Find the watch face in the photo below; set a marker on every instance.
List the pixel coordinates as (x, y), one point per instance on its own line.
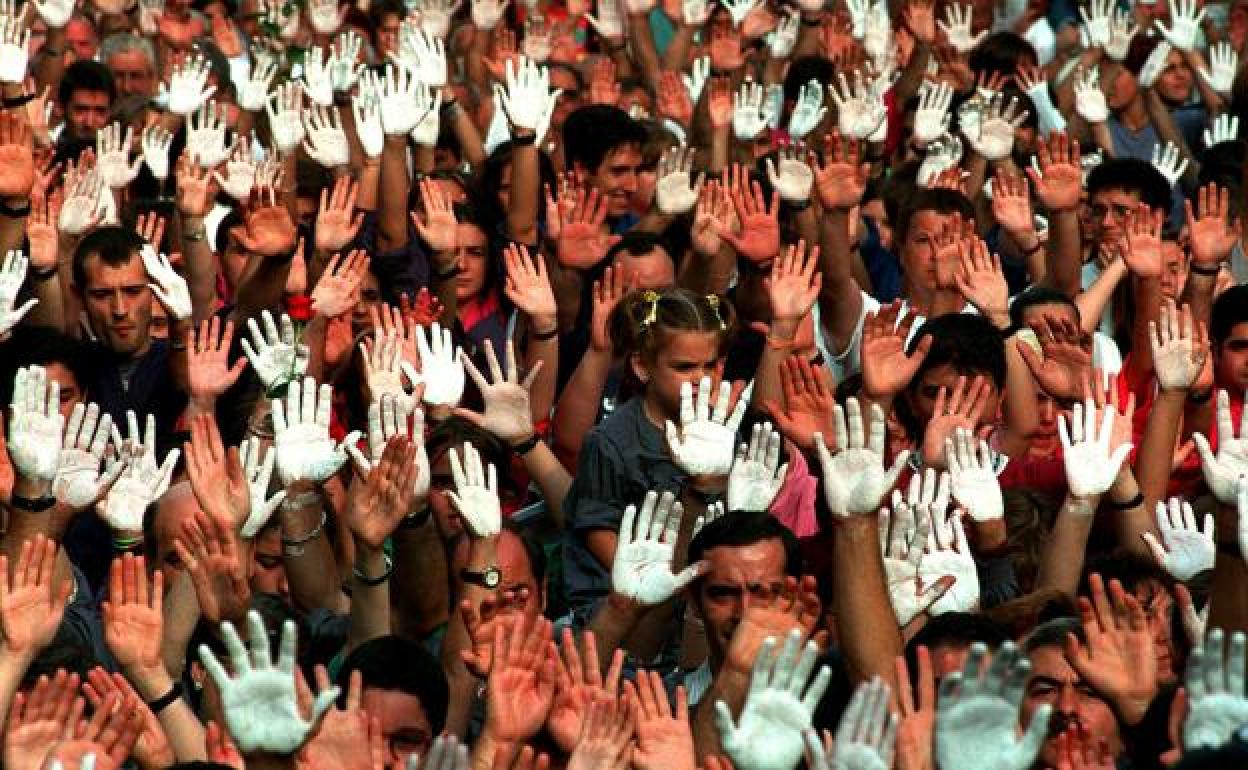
(492, 577)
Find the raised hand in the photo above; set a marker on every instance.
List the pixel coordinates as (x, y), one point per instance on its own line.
(35, 424)
(337, 291)
(865, 736)
(133, 616)
(14, 50)
(861, 114)
(808, 111)
(214, 562)
(12, 276)
(325, 142)
(994, 139)
(268, 229)
(759, 239)
(957, 28)
(1089, 98)
(748, 118)
(644, 554)
(386, 419)
(675, 192)
(32, 603)
(809, 395)
(949, 554)
(757, 474)
(385, 370)
(931, 120)
(904, 533)
(155, 149)
(606, 736)
(209, 373)
(972, 471)
(1118, 659)
(779, 707)
(1217, 703)
(664, 733)
(886, 366)
(1066, 360)
(378, 502)
(1184, 29)
(285, 109)
(1092, 461)
(1223, 470)
(583, 240)
(1056, 173)
(152, 749)
(703, 445)
(277, 357)
(795, 178)
(84, 205)
(977, 713)
(113, 156)
(1212, 233)
(1187, 550)
(521, 685)
(1169, 160)
(436, 225)
(440, 365)
(475, 496)
(1178, 351)
(79, 481)
(259, 700)
(305, 451)
(216, 475)
(841, 178)
(142, 482)
(188, 89)
(580, 684)
(39, 718)
(508, 413)
(854, 479)
(959, 408)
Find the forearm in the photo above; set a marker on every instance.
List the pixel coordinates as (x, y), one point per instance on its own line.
(12, 668)
(469, 136)
(13, 229)
(840, 299)
(1198, 294)
(677, 54)
(181, 726)
(712, 274)
(1062, 562)
(370, 604)
(869, 635)
(525, 179)
(545, 352)
(778, 347)
(261, 288)
(1095, 299)
(729, 686)
(395, 186)
(369, 181)
(1135, 520)
(1228, 601)
(643, 48)
(201, 268)
(51, 308)
(181, 611)
(444, 288)
(1065, 253)
(419, 588)
(1022, 418)
(306, 552)
(48, 65)
(577, 409)
(912, 76)
(721, 146)
(1147, 290)
(612, 624)
(1155, 458)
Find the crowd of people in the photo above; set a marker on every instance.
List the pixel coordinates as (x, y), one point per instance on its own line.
(625, 385)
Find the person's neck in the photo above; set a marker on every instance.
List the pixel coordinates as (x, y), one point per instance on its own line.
(929, 302)
(1135, 115)
(129, 358)
(654, 412)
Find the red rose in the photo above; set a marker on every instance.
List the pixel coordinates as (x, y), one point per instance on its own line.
(299, 307)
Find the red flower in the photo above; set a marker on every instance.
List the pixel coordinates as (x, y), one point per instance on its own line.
(299, 307)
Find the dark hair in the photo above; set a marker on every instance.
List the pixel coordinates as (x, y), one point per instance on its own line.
(940, 199)
(1128, 568)
(1036, 296)
(639, 322)
(86, 75)
(636, 243)
(741, 528)
(1001, 52)
(1229, 309)
(378, 10)
(68, 651)
(591, 133)
(804, 69)
(492, 178)
(954, 628)
(41, 345)
(115, 246)
(967, 342)
(1052, 633)
(454, 431)
(1133, 176)
(392, 663)
(1138, 52)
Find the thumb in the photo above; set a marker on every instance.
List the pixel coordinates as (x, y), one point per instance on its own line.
(324, 702)
(690, 574)
(935, 592)
(1154, 547)
(1036, 733)
(727, 728)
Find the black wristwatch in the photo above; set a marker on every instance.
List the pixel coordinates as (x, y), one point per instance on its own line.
(490, 577)
(32, 504)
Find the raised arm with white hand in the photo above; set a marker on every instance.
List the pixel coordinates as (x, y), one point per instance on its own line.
(258, 698)
(973, 476)
(1217, 705)
(1090, 465)
(644, 554)
(278, 357)
(1188, 550)
(1224, 470)
(12, 276)
(757, 474)
(854, 479)
(258, 470)
(35, 425)
(703, 445)
(866, 736)
(779, 708)
(476, 493)
(305, 451)
(169, 287)
(440, 366)
(79, 479)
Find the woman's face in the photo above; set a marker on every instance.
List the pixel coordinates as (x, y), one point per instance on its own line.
(472, 253)
(1120, 86)
(1175, 83)
(369, 297)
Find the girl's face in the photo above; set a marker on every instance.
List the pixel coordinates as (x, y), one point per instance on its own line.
(1175, 83)
(472, 254)
(684, 356)
(369, 296)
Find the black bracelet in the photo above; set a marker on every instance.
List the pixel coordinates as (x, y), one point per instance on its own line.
(543, 336)
(526, 446)
(15, 212)
(166, 700)
(39, 276)
(815, 22)
(528, 140)
(416, 519)
(375, 581)
(1034, 249)
(12, 102)
(1126, 505)
(32, 504)
(1200, 398)
(797, 205)
(1208, 272)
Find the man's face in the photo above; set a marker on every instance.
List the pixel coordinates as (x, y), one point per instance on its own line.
(176, 506)
(1107, 210)
(652, 270)
(388, 35)
(133, 72)
(1232, 359)
(1159, 605)
(918, 250)
(1173, 269)
(86, 112)
(119, 304)
(82, 39)
(735, 570)
(1054, 682)
(268, 571)
(71, 391)
(616, 178)
(404, 724)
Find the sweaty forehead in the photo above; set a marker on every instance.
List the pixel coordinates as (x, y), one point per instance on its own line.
(761, 562)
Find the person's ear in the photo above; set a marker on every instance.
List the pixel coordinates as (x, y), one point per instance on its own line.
(640, 369)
